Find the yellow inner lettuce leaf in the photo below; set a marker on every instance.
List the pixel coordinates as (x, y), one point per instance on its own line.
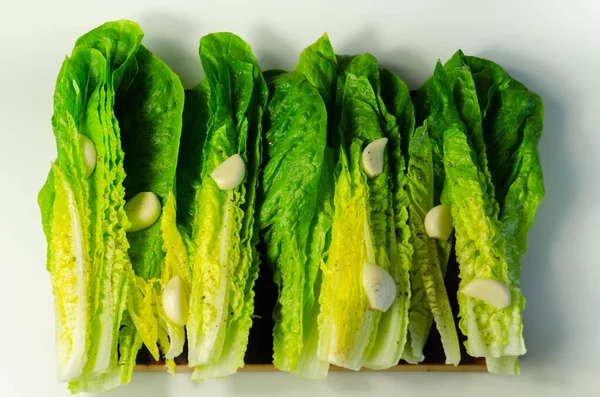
(69, 279)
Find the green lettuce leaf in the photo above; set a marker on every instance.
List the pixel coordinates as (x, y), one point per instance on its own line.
(189, 166)
(270, 75)
(397, 117)
(118, 43)
(318, 63)
(481, 255)
(296, 134)
(346, 323)
(360, 230)
(427, 259)
(465, 96)
(502, 124)
(420, 188)
(149, 108)
(395, 95)
(67, 265)
(309, 365)
(83, 218)
(224, 236)
(175, 263)
(480, 247)
(512, 126)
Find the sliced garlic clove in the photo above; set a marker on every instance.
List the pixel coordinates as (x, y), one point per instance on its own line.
(372, 157)
(379, 287)
(174, 301)
(89, 154)
(489, 290)
(142, 210)
(438, 222)
(230, 173)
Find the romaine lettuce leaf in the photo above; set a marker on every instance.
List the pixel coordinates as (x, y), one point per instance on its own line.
(479, 244)
(84, 217)
(149, 108)
(465, 97)
(512, 127)
(420, 188)
(175, 263)
(292, 193)
(189, 166)
(67, 259)
(427, 259)
(347, 325)
(480, 253)
(502, 129)
(360, 230)
(371, 339)
(118, 43)
(318, 63)
(397, 117)
(109, 69)
(224, 237)
(309, 365)
(424, 162)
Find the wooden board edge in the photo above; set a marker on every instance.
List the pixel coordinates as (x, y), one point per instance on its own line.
(477, 366)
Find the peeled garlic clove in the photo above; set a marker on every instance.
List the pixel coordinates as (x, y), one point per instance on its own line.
(230, 173)
(372, 157)
(142, 210)
(489, 290)
(175, 302)
(379, 287)
(89, 154)
(438, 222)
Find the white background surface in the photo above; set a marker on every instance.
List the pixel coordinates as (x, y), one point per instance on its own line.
(552, 47)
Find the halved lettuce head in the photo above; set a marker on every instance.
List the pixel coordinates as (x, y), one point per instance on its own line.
(220, 223)
(103, 303)
(369, 225)
(486, 127)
